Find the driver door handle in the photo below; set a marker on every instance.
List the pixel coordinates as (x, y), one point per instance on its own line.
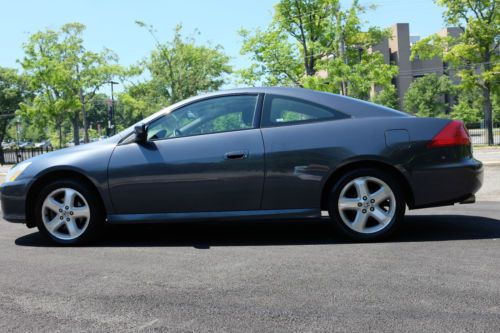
(236, 155)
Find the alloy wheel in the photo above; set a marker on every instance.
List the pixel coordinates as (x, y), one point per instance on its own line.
(65, 213)
(366, 205)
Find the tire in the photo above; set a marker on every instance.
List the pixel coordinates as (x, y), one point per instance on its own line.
(365, 213)
(68, 212)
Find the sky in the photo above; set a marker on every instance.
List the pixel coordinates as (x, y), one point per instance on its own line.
(110, 23)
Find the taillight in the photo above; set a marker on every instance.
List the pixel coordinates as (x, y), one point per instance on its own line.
(453, 134)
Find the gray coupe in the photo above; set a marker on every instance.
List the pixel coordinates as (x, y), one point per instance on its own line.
(255, 153)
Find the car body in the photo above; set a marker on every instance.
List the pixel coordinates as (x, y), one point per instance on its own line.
(257, 153)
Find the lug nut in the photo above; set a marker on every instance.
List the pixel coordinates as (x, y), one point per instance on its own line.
(364, 211)
(372, 209)
(66, 207)
(60, 210)
(67, 219)
(61, 217)
(71, 213)
(364, 198)
(372, 200)
(360, 204)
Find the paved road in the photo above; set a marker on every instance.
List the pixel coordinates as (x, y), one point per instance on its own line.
(441, 273)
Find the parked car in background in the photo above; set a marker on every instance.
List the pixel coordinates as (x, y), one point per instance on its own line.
(100, 138)
(249, 154)
(9, 144)
(72, 143)
(43, 144)
(26, 144)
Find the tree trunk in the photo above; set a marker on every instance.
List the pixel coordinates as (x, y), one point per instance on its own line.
(3, 128)
(343, 86)
(59, 128)
(84, 116)
(342, 49)
(488, 115)
(76, 129)
(487, 104)
(308, 61)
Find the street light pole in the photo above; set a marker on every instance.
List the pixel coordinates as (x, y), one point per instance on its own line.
(111, 111)
(18, 129)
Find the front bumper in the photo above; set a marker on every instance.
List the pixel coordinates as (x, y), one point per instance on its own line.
(13, 198)
(446, 184)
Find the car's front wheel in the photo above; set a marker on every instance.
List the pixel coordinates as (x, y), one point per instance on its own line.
(67, 211)
(367, 204)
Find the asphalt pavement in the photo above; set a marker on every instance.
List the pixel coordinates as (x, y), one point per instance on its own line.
(441, 273)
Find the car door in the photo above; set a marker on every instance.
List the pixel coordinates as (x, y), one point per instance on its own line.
(302, 142)
(203, 157)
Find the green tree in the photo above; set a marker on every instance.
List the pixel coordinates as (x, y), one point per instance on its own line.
(97, 115)
(13, 90)
(180, 69)
(139, 100)
(474, 54)
(319, 45)
(66, 75)
(424, 97)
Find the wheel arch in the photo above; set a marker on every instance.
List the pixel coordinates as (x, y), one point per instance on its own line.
(39, 183)
(376, 164)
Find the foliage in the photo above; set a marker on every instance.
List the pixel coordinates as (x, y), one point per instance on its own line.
(13, 90)
(474, 54)
(358, 77)
(138, 101)
(387, 97)
(468, 106)
(425, 95)
(65, 75)
(276, 60)
(180, 69)
(318, 45)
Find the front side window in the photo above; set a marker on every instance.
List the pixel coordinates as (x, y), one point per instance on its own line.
(282, 110)
(220, 114)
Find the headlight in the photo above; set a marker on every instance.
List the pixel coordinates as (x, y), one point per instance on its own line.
(15, 171)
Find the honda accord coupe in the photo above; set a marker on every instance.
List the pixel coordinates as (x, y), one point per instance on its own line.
(256, 153)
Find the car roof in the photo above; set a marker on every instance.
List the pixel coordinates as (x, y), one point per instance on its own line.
(351, 106)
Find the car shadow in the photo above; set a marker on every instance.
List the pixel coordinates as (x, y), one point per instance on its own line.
(416, 228)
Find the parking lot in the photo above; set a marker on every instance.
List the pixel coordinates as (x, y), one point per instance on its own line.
(441, 273)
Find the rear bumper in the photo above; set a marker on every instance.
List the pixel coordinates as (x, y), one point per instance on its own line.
(13, 198)
(446, 184)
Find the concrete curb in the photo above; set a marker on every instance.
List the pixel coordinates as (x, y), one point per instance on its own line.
(491, 163)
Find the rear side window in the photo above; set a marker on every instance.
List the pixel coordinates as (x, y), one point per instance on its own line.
(279, 111)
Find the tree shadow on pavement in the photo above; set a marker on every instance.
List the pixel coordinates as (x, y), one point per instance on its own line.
(416, 228)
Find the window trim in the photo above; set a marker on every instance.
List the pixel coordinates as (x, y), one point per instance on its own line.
(255, 121)
(266, 112)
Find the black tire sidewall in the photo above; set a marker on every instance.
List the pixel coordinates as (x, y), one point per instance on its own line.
(367, 172)
(96, 212)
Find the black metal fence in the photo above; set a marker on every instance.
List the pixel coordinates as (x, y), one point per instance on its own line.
(12, 156)
(479, 135)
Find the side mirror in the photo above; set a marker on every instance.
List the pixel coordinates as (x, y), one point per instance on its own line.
(141, 134)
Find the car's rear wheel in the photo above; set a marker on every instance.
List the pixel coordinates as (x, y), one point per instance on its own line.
(68, 212)
(367, 204)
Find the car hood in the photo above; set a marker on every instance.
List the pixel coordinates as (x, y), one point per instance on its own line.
(86, 158)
